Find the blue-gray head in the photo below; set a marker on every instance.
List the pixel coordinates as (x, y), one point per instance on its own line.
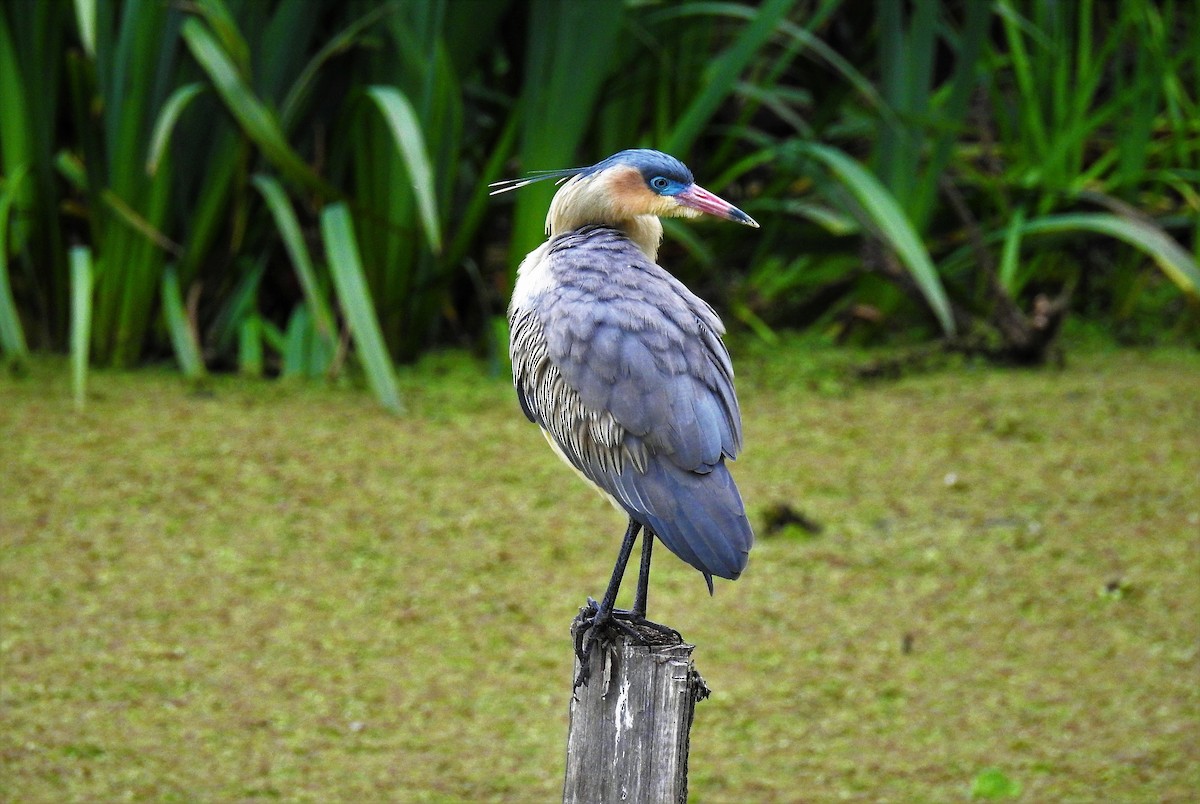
(628, 184)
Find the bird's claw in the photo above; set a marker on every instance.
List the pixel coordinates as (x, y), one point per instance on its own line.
(592, 625)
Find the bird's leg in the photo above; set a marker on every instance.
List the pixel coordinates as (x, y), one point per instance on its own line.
(597, 615)
(643, 588)
(637, 614)
(605, 609)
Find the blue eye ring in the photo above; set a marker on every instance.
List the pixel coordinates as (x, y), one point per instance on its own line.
(660, 183)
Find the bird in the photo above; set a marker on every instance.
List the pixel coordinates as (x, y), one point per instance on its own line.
(625, 371)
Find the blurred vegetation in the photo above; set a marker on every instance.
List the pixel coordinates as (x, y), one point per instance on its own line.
(285, 187)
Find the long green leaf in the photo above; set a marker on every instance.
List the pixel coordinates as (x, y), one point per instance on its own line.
(892, 225)
(272, 336)
(255, 119)
(85, 17)
(305, 354)
(406, 131)
(12, 334)
(1011, 253)
(167, 119)
(22, 145)
(237, 305)
(808, 41)
(70, 168)
(1022, 69)
(183, 337)
(337, 229)
(81, 321)
(1143, 235)
(293, 240)
(303, 85)
(298, 344)
(224, 26)
(250, 347)
(724, 73)
(570, 52)
(953, 111)
(476, 208)
(15, 145)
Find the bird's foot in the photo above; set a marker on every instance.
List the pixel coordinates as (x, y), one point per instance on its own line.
(592, 626)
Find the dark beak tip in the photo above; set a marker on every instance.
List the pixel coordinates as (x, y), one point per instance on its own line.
(747, 220)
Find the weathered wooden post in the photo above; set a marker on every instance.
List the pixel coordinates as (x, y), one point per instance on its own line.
(630, 724)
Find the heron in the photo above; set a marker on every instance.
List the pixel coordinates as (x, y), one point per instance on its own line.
(625, 371)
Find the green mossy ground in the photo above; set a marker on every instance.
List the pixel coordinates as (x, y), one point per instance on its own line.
(270, 591)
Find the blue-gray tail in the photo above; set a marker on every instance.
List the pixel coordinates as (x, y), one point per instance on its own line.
(699, 517)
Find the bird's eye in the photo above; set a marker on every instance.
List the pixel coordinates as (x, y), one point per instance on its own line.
(660, 183)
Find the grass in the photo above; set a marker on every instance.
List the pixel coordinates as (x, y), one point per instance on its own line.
(275, 591)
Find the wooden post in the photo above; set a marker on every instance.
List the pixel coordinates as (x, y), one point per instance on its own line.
(629, 733)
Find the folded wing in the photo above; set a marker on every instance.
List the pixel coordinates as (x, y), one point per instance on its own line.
(627, 373)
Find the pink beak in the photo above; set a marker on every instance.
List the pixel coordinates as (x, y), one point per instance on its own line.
(700, 199)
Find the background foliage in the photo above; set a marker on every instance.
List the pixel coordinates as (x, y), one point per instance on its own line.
(282, 187)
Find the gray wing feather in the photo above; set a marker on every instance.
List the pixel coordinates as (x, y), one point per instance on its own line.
(636, 342)
(624, 367)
